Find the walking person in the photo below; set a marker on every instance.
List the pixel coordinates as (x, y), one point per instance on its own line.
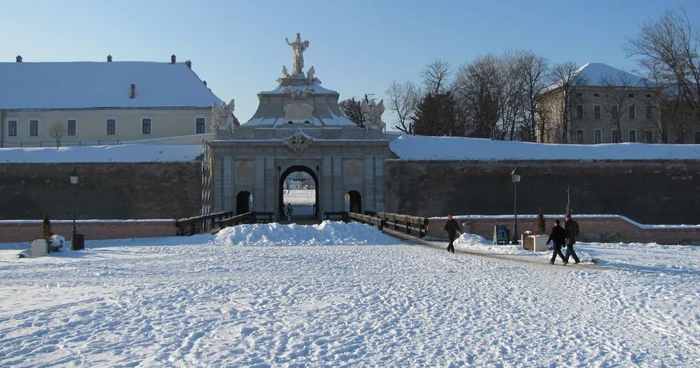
(557, 236)
(289, 211)
(452, 228)
(571, 232)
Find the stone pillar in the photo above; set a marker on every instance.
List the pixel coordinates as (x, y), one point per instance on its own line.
(227, 186)
(368, 199)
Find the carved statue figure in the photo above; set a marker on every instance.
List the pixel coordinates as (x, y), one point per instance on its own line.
(231, 120)
(298, 48)
(285, 74)
(311, 73)
(373, 114)
(216, 115)
(222, 116)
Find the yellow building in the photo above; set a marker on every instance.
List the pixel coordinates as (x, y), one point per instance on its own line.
(94, 103)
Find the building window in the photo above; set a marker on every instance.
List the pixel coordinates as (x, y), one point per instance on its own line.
(596, 111)
(33, 128)
(579, 111)
(632, 112)
(649, 112)
(697, 137)
(613, 111)
(111, 126)
(72, 126)
(614, 137)
(648, 136)
(579, 136)
(648, 95)
(597, 136)
(146, 126)
(200, 125)
(631, 95)
(12, 128)
(596, 95)
(633, 135)
(579, 94)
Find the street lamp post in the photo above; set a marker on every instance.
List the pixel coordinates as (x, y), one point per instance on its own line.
(74, 179)
(515, 175)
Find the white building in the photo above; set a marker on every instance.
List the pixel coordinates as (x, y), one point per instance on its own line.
(89, 103)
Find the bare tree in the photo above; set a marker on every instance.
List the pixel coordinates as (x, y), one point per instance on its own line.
(567, 80)
(436, 77)
(669, 49)
(535, 73)
(511, 72)
(403, 99)
(56, 131)
(352, 109)
(479, 86)
(436, 99)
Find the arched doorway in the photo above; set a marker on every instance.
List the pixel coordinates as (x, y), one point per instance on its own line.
(244, 202)
(298, 186)
(353, 201)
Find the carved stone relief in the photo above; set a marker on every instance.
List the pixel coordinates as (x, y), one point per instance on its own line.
(244, 172)
(353, 171)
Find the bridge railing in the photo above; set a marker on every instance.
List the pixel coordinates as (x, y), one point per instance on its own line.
(335, 216)
(411, 225)
(367, 219)
(200, 224)
(255, 217)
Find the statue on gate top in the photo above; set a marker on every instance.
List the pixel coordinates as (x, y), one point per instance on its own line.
(298, 48)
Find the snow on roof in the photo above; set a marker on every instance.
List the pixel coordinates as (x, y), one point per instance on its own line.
(81, 85)
(280, 121)
(315, 89)
(120, 153)
(599, 75)
(422, 148)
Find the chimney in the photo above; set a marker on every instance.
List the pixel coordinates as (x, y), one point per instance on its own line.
(133, 91)
(172, 59)
(19, 58)
(189, 64)
(109, 58)
(205, 83)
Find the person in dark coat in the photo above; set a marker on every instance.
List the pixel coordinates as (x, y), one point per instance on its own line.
(452, 228)
(571, 231)
(557, 236)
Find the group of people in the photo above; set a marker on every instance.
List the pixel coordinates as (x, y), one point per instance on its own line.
(560, 236)
(564, 236)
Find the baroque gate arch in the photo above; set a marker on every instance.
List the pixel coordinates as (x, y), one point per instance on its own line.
(297, 125)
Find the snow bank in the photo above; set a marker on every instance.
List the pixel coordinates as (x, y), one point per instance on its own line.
(325, 233)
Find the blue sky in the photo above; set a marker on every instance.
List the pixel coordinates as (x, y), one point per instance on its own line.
(356, 47)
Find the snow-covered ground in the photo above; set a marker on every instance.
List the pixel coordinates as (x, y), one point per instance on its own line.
(346, 295)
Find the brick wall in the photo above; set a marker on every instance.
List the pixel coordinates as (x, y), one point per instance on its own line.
(651, 192)
(21, 231)
(607, 229)
(106, 190)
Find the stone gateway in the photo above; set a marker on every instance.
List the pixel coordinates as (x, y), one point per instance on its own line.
(298, 127)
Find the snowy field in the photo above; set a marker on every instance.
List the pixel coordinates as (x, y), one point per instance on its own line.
(346, 295)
